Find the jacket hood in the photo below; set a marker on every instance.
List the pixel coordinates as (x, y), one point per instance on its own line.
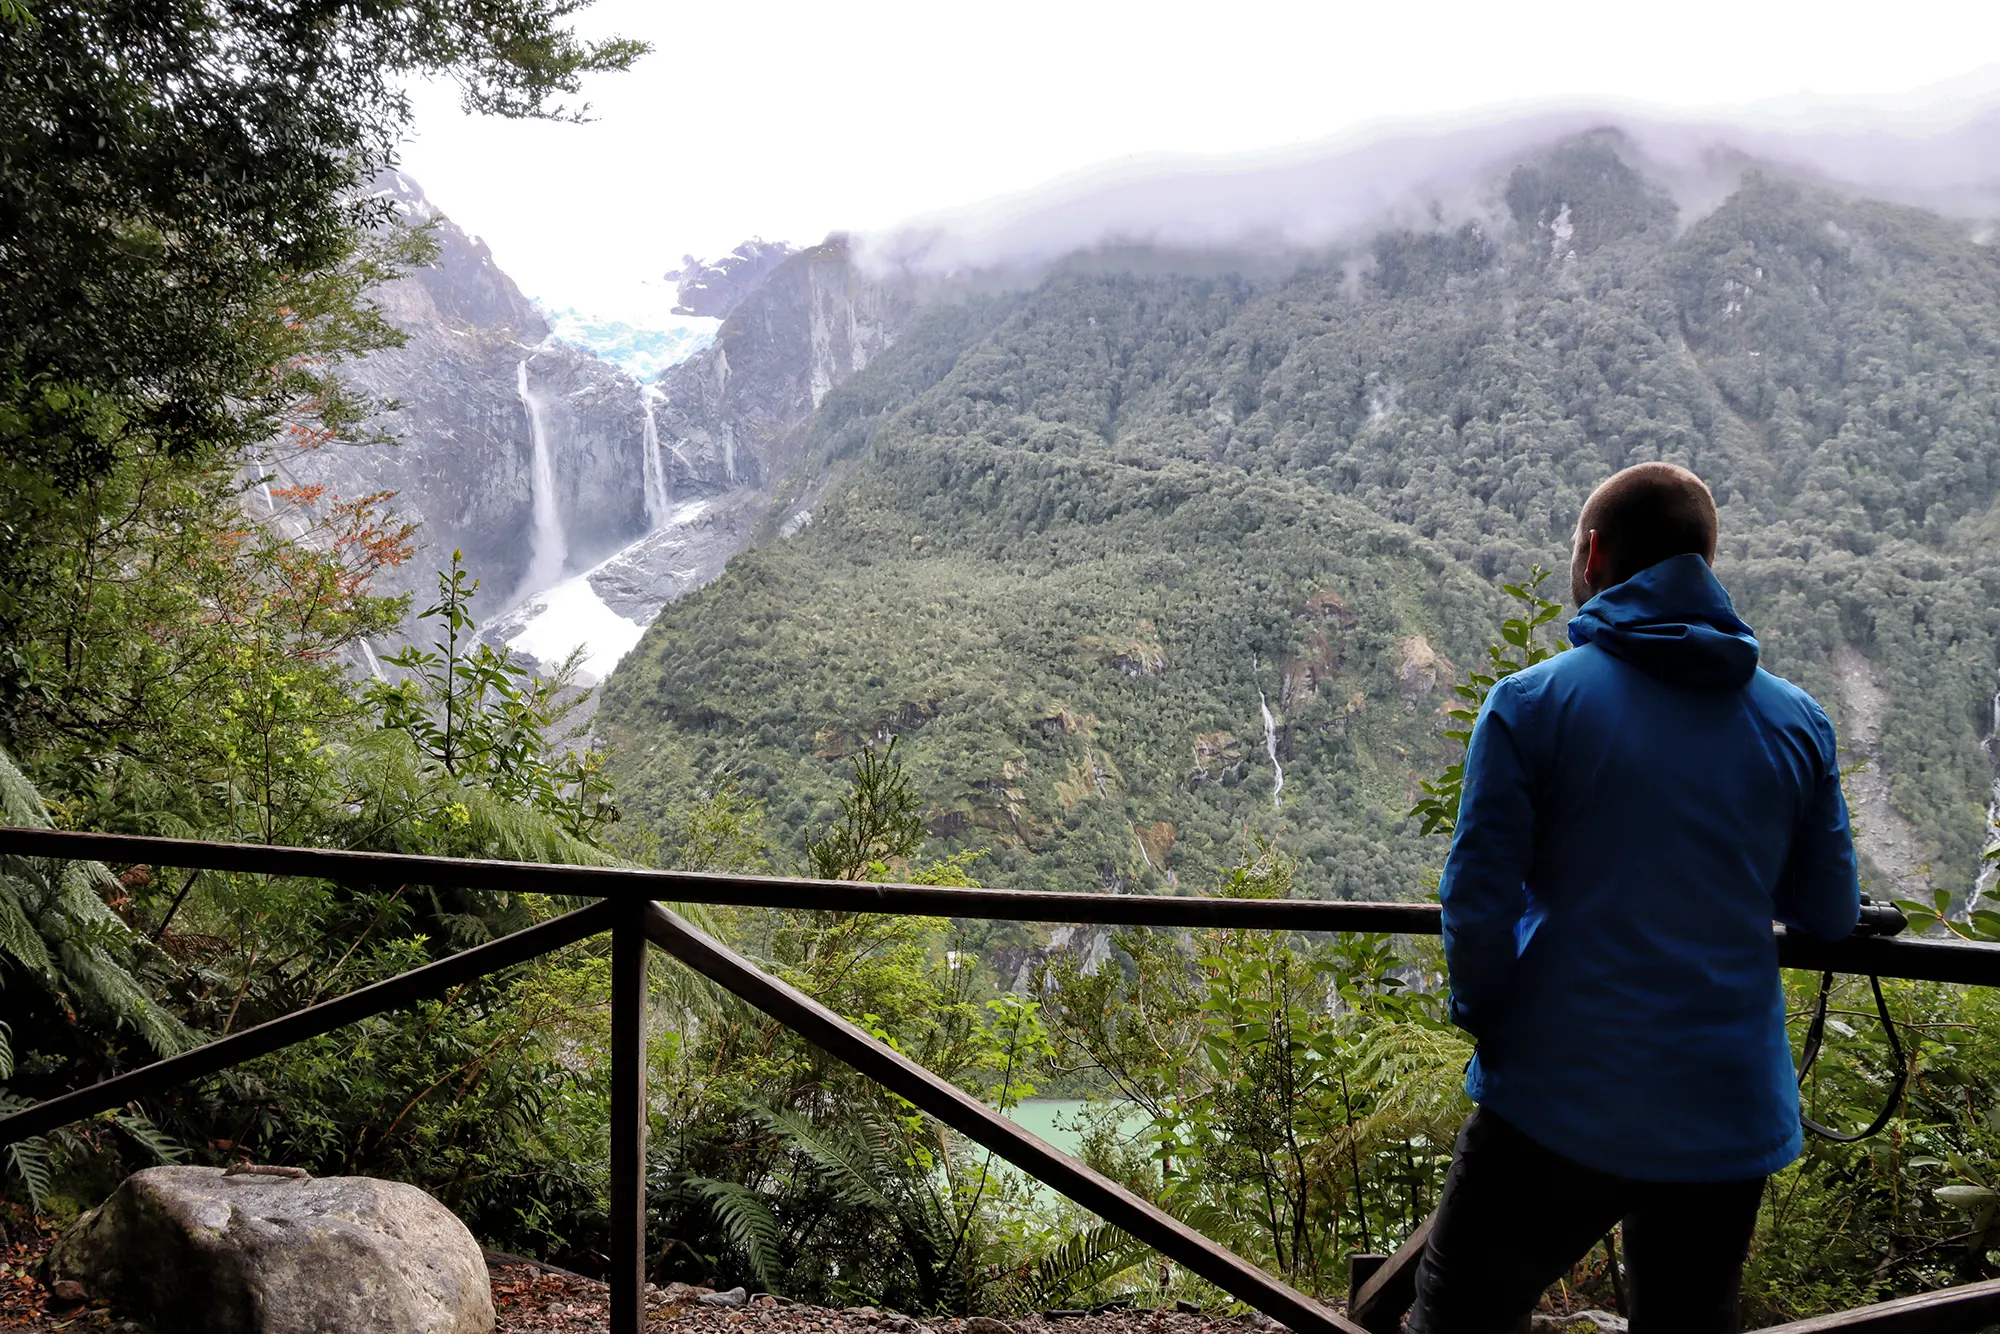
(1673, 621)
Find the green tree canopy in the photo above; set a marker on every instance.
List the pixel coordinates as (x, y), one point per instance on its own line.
(171, 172)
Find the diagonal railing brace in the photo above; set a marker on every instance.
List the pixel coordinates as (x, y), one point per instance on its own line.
(987, 1128)
(390, 994)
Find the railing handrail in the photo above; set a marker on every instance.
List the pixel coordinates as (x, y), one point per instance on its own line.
(632, 884)
(1914, 958)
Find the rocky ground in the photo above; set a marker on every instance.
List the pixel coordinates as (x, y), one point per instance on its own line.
(529, 1299)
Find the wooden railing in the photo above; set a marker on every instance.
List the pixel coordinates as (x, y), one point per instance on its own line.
(629, 909)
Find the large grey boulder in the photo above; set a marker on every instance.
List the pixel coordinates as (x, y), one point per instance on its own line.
(200, 1249)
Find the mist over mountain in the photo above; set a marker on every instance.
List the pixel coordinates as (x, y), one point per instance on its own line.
(1114, 548)
(1943, 156)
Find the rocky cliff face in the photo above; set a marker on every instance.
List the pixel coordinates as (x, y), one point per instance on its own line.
(718, 288)
(574, 492)
(724, 449)
(736, 412)
(464, 467)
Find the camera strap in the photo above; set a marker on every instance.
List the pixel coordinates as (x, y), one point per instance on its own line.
(1816, 1034)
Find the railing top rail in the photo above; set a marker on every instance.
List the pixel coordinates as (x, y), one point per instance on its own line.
(1903, 956)
(628, 884)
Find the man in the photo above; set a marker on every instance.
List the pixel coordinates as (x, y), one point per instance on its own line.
(1635, 813)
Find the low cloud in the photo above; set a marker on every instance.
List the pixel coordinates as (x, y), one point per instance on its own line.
(1937, 150)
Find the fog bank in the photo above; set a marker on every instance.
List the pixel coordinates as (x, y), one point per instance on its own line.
(1940, 153)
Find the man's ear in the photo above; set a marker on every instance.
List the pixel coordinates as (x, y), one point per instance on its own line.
(1595, 561)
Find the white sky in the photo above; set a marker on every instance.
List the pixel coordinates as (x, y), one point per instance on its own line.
(789, 120)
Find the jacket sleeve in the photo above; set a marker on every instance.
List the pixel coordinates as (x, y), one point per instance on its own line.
(1483, 889)
(1820, 889)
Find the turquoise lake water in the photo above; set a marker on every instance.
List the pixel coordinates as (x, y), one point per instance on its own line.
(1054, 1120)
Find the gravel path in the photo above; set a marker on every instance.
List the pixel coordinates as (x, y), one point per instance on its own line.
(536, 1302)
(528, 1299)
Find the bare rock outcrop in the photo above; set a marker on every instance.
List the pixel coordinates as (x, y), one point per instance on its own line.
(198, 1249)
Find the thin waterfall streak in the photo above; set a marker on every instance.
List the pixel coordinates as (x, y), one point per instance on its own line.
(270, 505)
(659, 496)
(548, 549)
(374, 665)
(1271, 749)
(1983, 879)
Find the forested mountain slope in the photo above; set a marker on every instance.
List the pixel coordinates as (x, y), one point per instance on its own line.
(1080, 537)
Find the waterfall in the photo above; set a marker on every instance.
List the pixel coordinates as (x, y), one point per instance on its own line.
(1988, 871)
(374, 667)
(1271, 749)
(658, 493)
(548, 550)
(270, 505)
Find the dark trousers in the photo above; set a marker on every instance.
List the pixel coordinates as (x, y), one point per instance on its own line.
(1515, 1216)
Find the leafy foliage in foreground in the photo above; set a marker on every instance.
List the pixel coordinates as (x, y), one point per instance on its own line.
(187, 257)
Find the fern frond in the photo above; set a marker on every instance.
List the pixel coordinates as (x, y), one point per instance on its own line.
(1220, 1224)
(77, 886)
(851, 1169)
(1085, 1261)
(55, 924)
(149, 1136)
(747, 1221)
(20, 803)
(19, 940)
(1418, 1072)
(30, 1161)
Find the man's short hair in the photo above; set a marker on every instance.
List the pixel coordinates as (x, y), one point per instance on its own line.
(1648, 513)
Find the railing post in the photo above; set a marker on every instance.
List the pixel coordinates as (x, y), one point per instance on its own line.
(628, 1121)
(1361, 1267)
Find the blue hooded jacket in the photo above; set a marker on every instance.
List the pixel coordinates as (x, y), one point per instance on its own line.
(1635, 814)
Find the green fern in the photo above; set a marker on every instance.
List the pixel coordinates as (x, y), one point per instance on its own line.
(19, 940)
(1220, 1223)
(148, 1136)
(32, 1161)
(55, 926)
(1087, 1260)
(1418, 1074)
(747, 1221)
(1522, 646)
(854, 1177)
